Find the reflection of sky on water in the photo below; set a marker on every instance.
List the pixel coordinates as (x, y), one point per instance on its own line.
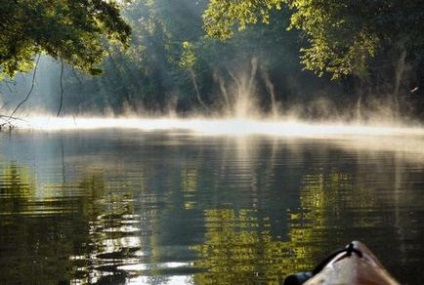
(115, 239)
(170, 280)
(376, 137)
(161, 207)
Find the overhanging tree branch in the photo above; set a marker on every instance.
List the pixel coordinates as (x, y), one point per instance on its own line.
(30, 90)
(61, 88)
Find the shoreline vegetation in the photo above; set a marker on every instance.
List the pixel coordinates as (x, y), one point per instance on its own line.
(345, 61)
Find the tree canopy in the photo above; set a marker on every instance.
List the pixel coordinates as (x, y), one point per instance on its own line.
(222, 17)
(73, 31)
(342, 36)
(373, 48)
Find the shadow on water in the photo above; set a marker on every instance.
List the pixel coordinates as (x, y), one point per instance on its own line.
(130, 207)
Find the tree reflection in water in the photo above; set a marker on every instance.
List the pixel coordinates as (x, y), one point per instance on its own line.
(113, 237)
(34, 239)
(239, 249)
(158, 209)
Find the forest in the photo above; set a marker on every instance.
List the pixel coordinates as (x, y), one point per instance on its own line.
(317, 60)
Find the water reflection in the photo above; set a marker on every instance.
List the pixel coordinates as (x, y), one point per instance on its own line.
(372, 199)
(126, 207)
(239, 249)
(34, 235)
(113, 237)
(15, 188)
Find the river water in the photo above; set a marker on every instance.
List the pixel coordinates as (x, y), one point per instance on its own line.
(134, 206)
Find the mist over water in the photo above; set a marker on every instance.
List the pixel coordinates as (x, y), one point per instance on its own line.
(193, 161)
(240, 114)
(152, 201)
(262, 146)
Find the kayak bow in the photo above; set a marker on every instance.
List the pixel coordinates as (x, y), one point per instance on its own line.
(353, 265)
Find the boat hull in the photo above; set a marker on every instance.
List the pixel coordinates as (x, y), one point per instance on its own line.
(359, 267)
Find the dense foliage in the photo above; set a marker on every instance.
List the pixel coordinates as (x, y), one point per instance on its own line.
(342, 36)
(171, 65)
(205, 55)
(223, 17)
(73, 31)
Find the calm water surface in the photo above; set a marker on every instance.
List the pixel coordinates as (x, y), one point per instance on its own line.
(134, 207)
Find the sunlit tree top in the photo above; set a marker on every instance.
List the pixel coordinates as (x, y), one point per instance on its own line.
(74, 31)
(340, 36)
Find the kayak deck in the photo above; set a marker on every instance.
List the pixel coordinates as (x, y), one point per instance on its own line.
(353, 265)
